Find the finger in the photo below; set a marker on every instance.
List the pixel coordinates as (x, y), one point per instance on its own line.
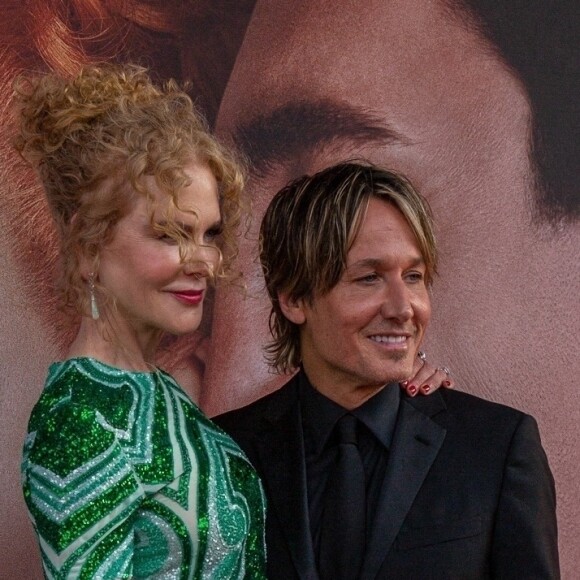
(427, 379)
(438, 379)
(421, 372)
(411, 385)
(422, 379)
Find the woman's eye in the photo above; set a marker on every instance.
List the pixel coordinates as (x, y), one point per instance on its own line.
(166, 238)
(211, 235)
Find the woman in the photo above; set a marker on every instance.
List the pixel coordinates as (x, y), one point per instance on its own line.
(123, 475)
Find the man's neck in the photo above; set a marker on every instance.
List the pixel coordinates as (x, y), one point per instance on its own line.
(348, 396)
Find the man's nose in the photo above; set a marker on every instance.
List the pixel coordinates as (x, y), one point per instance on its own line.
(396, 302)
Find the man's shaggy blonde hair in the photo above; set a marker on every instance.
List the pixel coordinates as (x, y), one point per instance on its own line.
(309, 229)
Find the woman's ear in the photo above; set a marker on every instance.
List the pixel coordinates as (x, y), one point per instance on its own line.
(88, 265)
(292, 309)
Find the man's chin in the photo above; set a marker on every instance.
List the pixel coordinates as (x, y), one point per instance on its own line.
(399, 364)
(397, 375)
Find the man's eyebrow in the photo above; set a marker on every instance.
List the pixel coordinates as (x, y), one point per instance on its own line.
(301, 126)
(366, 263)
(378, 263)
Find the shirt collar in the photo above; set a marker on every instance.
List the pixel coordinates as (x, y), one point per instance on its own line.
(320, 414)
(379, 413)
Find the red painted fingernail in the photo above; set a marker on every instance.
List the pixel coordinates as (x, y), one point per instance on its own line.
(412, 389)
(446, 383)
(425, 388)
(404, 383)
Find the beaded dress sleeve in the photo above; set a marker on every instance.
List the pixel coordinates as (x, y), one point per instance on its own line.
(124, 477)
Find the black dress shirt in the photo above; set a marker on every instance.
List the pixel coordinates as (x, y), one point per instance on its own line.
(377, 418)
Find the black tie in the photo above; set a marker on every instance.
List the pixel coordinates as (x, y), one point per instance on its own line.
(342, 534)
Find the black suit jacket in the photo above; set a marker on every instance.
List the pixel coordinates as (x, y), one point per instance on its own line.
(468, 492)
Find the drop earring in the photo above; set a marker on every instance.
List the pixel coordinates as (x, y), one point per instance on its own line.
(94, 306)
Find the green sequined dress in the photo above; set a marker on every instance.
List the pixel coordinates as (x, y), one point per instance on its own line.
(124, 477)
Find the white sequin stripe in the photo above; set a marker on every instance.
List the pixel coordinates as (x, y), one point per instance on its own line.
(171, 569)
(189, 515)
(137, 436)
(57, 559)
(219, 445)
(48, 489)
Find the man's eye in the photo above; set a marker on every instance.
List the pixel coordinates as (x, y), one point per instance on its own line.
(368, 278)
(415, 276)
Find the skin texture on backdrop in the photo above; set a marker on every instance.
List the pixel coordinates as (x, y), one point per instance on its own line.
(411, 85)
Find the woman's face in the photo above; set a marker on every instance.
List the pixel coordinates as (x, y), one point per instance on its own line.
(141, 268)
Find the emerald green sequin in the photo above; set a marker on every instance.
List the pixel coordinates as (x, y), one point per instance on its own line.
(124, 477)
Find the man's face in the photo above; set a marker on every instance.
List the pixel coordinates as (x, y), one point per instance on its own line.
(366, 331)
(405, 85)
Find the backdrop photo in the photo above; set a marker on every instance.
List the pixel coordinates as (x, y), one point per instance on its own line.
(475, 100)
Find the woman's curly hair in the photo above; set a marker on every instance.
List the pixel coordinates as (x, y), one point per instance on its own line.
(94, 137)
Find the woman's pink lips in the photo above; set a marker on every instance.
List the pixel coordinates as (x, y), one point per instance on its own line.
(189, 297)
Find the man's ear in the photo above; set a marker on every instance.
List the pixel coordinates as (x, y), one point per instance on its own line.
(292, 309)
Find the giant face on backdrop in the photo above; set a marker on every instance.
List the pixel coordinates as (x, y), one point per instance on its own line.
(416, 87)
(441, 107)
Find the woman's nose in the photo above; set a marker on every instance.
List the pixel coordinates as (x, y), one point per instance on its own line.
(201, 260)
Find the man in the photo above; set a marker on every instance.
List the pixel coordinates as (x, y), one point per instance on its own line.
(454, 486)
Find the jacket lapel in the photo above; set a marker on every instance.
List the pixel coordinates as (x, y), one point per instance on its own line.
(281, 452)
(416, 443)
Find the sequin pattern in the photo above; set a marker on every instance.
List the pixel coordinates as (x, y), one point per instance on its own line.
(124, 477)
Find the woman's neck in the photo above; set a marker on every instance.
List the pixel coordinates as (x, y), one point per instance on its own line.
(97, 339)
